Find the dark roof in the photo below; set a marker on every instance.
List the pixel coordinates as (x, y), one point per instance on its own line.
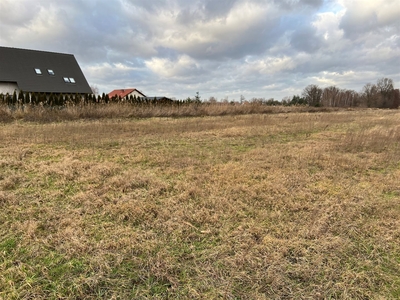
(158, 98)
(18, 65)
(123, 93)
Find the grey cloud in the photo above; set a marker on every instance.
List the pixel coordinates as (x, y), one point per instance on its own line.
(354, 26)
(314, 3)
(187, 16)
(219, 8)
(305, 39)
(253, 41)
(252, 38)
(103, 32)
(296, 4)
(151, 6)
(379, 16)
(210, 10)
(12, 14)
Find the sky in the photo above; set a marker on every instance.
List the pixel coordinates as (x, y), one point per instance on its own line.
(225, 49)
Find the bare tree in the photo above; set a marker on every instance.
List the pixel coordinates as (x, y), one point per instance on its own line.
(95, 90)
(212, 100)
(348, 98)
(385, 88)
(370, 95)
(330, 96)
(313, 94)
(385, 85)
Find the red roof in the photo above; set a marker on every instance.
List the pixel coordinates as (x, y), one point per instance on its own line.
(123, 93)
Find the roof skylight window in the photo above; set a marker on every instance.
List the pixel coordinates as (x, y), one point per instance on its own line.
(66, 80)
(72, 80)
(38, 71)
(51, 72)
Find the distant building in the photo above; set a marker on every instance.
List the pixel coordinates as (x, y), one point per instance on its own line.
(123, 93)
(40, 72)
(159, 99)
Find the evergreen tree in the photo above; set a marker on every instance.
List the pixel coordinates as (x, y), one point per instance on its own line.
(297, 100)
(51, 100)
(42, 98)
(77, 98)
(14, 98)
(60, 100)
(21, 98)
(27, 98)
(8, 99)
(197, 97)
(33, 99)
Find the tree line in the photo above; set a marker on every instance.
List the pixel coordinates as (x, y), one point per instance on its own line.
(21, 98)
(379, 95)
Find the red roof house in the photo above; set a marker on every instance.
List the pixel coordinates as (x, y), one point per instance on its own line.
(125, 93)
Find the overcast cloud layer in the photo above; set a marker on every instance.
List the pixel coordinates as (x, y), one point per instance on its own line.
(221, 48)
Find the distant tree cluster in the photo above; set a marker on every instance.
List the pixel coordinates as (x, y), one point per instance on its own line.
(379, 95)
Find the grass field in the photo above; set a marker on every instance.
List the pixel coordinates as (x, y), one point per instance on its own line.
(262, 206)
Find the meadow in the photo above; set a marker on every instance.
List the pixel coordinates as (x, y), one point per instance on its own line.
(289, 205)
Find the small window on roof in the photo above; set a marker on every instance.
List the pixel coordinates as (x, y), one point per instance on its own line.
(72, 80)
(51, 72)
(38, 71)
(66, 80)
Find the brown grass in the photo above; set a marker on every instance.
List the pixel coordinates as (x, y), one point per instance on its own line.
(42, 114)
(263, 206)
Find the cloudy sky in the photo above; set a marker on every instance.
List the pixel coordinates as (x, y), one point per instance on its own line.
(220, 48)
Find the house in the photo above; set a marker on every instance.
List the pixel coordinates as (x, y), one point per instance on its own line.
(40, 72)
(123, 93)
(159, 99)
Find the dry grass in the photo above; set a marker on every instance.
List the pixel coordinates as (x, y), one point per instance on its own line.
(277, 206)
(42, 114)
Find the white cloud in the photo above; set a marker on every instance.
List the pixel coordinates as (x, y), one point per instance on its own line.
(16, 13)
(364, 16)
(269, 65)
(200, 36)
(30, 25)
(183, 66)
(327, 26)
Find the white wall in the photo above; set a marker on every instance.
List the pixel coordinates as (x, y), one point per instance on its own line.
(135, 93)
(8, 87)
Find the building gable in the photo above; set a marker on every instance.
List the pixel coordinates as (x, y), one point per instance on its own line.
(40, 71)
(125, 93)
